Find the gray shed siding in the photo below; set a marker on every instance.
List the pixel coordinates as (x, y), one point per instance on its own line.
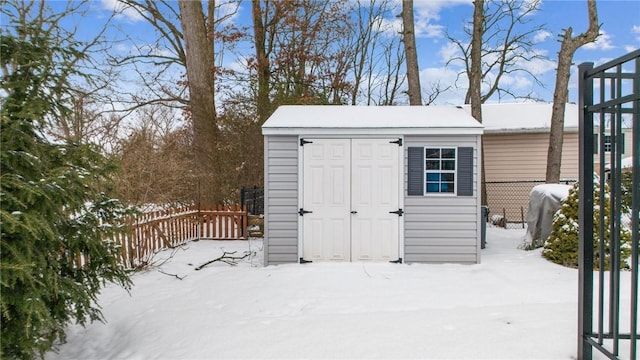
(281, 200)
(442, 228)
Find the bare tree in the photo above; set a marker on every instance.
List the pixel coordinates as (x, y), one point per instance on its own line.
(200, 77)
(506, 36)
(475, 62)
(87, 122)
(376, 59)
(409, 39)
(263, 48)
(475, 78)
(568, 47)
(301, 53)
(392, 81)
(161, 63)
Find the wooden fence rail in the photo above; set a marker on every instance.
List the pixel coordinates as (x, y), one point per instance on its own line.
(158, 230)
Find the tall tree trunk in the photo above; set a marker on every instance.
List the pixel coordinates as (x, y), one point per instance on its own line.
(475, 75)
(561, 93)
(200, 76)
(409, 38)
(259, 35)
(475, 80)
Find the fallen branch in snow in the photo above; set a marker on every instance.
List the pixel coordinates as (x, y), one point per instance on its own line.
(151, 261)
(174, 275)
(225, 258)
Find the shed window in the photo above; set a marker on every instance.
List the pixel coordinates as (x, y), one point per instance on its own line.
(435, 170)
(440, 170)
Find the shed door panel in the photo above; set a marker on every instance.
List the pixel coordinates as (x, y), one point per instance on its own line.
(326, 182)
(374, 193)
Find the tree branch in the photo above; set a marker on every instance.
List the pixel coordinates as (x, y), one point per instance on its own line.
(226, 258)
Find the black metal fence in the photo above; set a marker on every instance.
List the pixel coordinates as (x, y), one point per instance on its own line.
(508, 201)
(253, 198)
(608, 296)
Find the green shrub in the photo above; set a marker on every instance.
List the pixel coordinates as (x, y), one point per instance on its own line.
(562, 245)
(53, 204)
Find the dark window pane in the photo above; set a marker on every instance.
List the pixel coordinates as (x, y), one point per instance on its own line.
(448, 153)
(432, 187)
(448, 164)
(607, 143)
(432, 153)
(433, 165)
(447, 177)
(446, 187)
(433, 177)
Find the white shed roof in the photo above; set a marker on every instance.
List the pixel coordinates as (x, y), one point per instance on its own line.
(524, 117)
(370, 120)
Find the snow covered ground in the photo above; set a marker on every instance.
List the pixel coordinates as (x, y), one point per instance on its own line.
(515, 305)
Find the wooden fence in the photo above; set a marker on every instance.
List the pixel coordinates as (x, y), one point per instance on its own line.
(158, 230)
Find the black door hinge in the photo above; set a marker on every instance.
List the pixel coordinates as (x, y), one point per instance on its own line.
(399, 212)
(303, 261)
(399, 142)
(303, 141)
(399, 261)
(303, 211)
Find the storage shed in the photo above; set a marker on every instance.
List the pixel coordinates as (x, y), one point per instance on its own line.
(359, 183)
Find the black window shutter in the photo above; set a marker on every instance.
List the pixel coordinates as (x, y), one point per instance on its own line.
(465, 171)
(415, 170)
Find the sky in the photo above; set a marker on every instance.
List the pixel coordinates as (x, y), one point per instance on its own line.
(620, 34)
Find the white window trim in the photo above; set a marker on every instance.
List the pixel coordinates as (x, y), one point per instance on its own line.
(454, 172)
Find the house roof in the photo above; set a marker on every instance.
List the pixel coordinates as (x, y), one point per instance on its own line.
(370, 120)
(625, 163)
(524, 117)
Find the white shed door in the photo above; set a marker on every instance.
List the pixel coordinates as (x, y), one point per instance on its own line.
(374, 193)
(326, 181)
(350, 187)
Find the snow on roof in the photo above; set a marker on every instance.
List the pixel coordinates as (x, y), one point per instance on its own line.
(524, 117)
(320, 119)
(626, 163)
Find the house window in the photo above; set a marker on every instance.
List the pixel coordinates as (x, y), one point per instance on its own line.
(606, 143)
(440, 170)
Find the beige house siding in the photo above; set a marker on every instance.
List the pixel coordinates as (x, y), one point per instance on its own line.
(523, 156)
(513, 161)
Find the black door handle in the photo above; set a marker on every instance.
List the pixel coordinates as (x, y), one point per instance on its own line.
(354, 212)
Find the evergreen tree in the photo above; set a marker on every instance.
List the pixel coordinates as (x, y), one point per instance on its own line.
(562, 245)
(53, 205)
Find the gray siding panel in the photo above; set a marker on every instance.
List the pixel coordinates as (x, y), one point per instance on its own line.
(440, 202)
(281, 187)
(275, 259)
(284, 202)
(283, 249)
(284, 235)
(444, 240)
(280, 194)
(414, 237)
(440, 218)
(441, 258)
(441, 229)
